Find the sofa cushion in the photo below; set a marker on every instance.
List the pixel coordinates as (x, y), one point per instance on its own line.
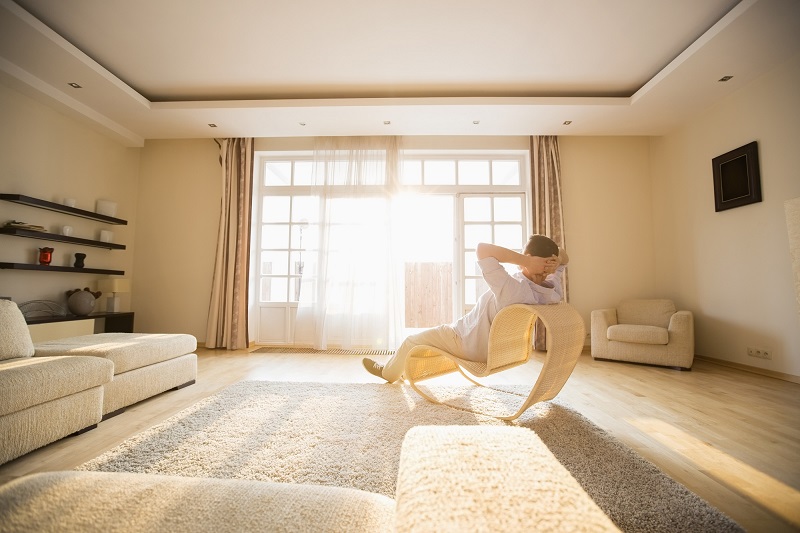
(638, 334)
(646, 312)
(29, 381)
(15, 337)
(102, 501)
(128, 351)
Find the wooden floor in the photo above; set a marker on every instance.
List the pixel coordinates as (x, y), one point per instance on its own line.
(730, 436)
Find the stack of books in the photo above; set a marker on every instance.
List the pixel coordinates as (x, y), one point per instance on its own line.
(24, 225)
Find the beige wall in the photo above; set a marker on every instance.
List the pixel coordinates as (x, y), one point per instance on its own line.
(733, 268)
(606, 191)
(47, 155)
(179, 200)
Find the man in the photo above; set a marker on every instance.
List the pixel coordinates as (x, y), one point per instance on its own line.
(538, 281)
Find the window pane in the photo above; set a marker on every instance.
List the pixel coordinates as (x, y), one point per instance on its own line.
(304, 208)
(473, 172)
(475, 233)
(296, 262)
(473, 288)
(275, 236)
(275, 209)
(295, 285)
(426, 238)
(508, 236)
(303, 172)
(477, 209)
(338, 173)
(508, 209)
(274, 289)
(505, 173)
(411, 173)
(274, 263)
(471, 264)
(440, 172)
(278, 173)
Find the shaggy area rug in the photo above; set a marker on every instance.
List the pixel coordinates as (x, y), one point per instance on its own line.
(349, 435)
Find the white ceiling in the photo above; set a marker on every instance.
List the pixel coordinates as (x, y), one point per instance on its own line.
(264, 68)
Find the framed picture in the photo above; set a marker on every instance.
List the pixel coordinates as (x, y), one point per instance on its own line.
(737, 179)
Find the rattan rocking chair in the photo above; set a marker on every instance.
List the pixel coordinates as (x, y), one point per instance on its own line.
(510, 345)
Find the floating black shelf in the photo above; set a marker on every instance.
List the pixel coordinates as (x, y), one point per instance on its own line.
(20, 232)
(48, 268)
(52, 206)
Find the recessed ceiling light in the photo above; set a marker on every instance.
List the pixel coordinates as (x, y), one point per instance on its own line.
(567, 122)
(476, 122)
(387, 122)
(725, 78)
(74, 85)
(212, 125)
(302, 123)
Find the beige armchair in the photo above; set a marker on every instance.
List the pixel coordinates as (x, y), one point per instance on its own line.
(644, 331)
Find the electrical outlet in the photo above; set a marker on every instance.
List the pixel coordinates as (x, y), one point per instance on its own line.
(761, 353)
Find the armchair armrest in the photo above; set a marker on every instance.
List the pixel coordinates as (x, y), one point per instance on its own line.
(681, 334)
(601, 320)
(681, 322)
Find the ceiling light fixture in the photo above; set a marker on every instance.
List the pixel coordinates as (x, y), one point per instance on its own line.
(567, 122)
(75, 85)
(725, 78)
(211, 125)
(302, 123)
(387, 122)
(476, 122)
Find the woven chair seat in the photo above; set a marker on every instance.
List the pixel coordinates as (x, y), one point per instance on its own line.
(510, 345)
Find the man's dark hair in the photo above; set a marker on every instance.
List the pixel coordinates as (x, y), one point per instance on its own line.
(541, 246)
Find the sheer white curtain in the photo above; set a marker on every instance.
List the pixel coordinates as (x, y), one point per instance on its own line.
(351, 289)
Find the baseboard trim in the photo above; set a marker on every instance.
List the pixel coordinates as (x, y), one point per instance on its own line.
(752, 369)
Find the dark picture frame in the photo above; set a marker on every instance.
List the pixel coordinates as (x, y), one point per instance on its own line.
(737, 178)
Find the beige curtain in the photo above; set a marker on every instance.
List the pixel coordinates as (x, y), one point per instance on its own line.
(548, 217)
(227, 314)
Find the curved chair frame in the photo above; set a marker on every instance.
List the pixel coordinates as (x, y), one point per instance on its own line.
(510, 345)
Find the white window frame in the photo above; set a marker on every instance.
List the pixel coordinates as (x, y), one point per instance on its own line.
(282, 314)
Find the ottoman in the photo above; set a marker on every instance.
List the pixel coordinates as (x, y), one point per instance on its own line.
(145, 364)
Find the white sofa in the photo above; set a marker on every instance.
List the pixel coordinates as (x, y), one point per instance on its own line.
(54, 389)
(145, 364)
(450, 478)
(43, 399)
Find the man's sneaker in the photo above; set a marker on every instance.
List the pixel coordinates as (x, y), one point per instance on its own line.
(374, 368)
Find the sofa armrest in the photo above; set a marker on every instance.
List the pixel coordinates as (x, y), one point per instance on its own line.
(601, 320)
(479, 478)
(119, 501)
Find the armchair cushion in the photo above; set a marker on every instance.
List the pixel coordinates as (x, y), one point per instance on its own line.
(638, 334)
(15, 337)
(646, 312)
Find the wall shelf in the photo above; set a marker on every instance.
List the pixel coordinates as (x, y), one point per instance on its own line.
(114, 322)
(19, 232)
(52, 206)
(48, 268)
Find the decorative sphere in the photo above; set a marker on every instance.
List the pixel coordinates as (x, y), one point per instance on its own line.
(81, 303)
